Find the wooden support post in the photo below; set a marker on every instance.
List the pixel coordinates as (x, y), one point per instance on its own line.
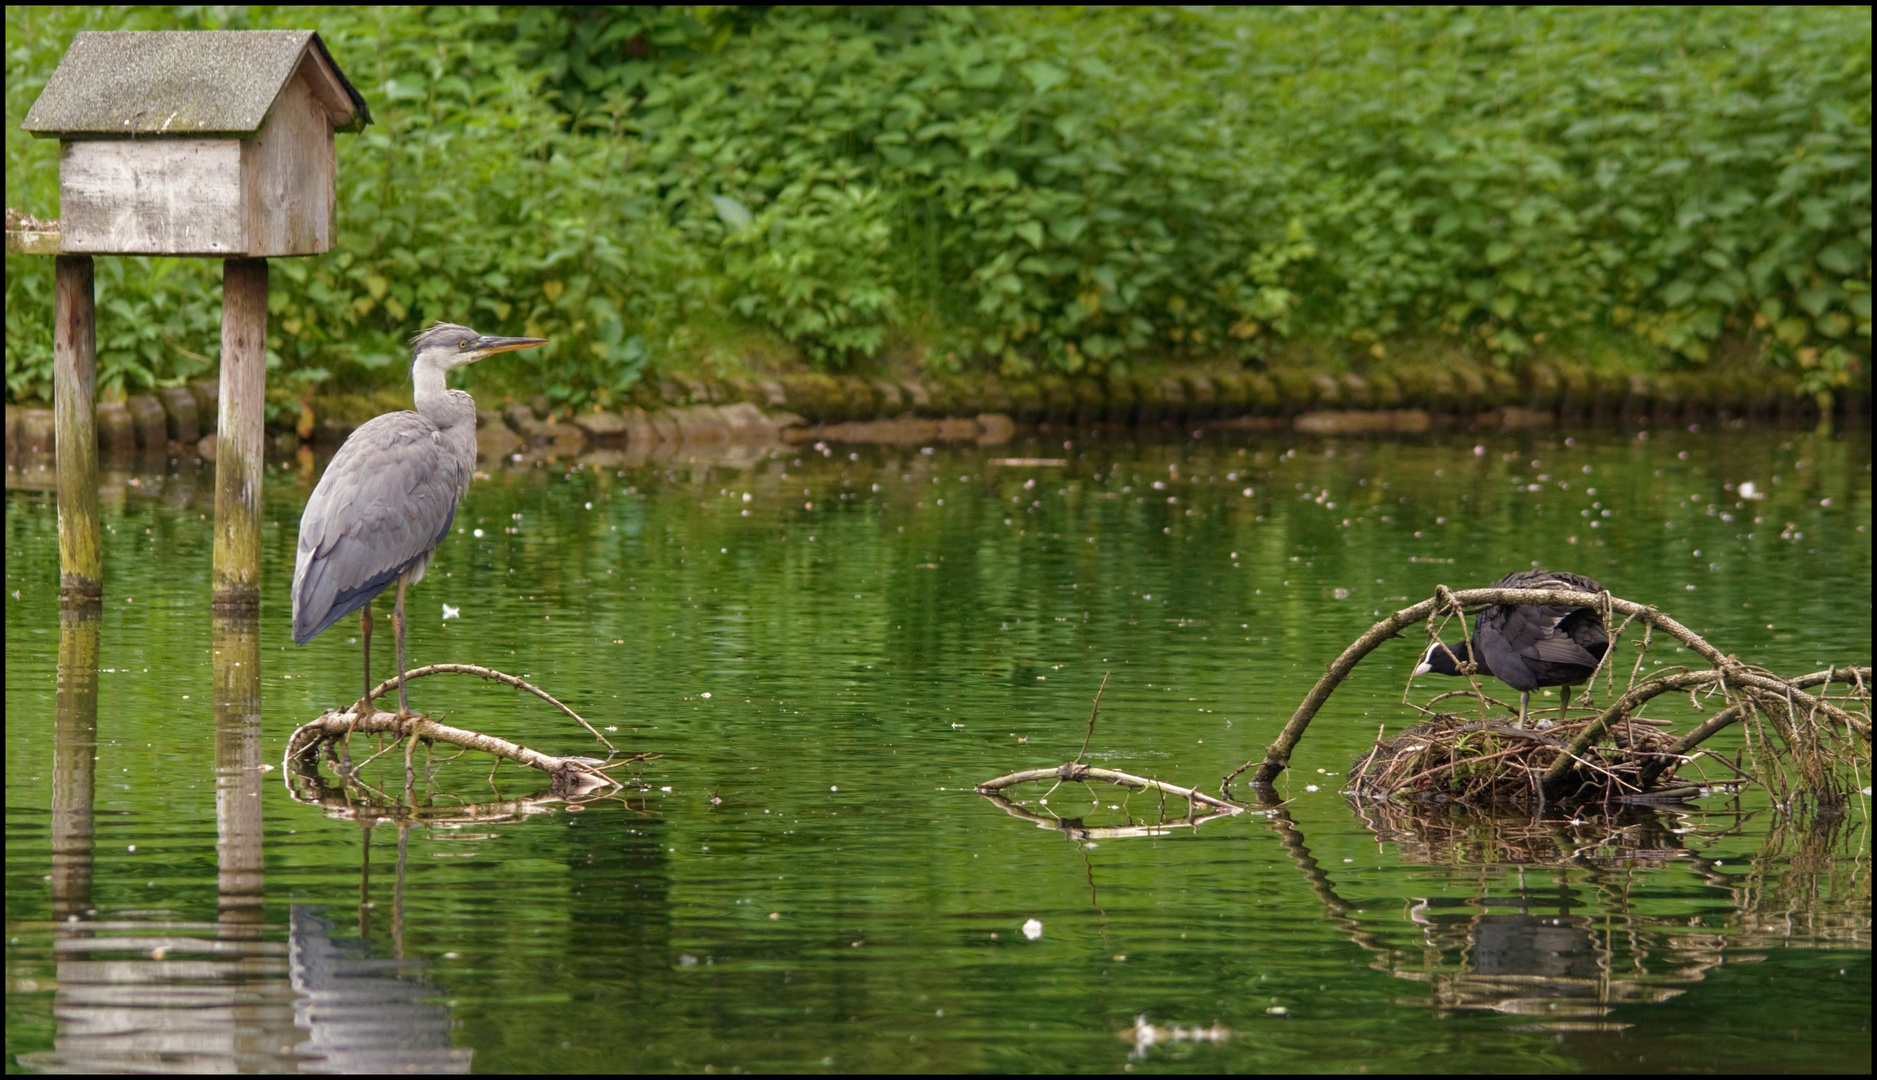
(238, 434)
(75, 439)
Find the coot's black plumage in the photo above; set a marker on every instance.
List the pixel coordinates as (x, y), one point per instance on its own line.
(1528, 646)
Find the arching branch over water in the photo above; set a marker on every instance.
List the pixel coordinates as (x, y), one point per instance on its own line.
(1561, 755)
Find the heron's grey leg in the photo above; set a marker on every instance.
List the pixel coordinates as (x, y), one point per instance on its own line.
(364, 634)
(1525, 701)
(397, 626)
(363, 708)
(1564, 710)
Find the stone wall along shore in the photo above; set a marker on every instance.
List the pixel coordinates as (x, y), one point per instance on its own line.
(684, 412)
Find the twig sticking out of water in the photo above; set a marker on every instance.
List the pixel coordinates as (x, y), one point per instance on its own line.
(1092, 713)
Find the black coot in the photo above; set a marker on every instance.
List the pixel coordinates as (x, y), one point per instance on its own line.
(1529, 646)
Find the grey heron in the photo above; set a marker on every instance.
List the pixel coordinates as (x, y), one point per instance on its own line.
(1529, 646)
(387, 498)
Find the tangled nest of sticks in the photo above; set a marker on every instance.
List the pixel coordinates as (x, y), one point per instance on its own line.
(1486, 763)
(1803, 741)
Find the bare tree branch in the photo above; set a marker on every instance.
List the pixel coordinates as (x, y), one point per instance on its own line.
(494, 676)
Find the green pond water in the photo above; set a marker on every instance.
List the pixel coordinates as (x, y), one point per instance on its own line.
(827, 650)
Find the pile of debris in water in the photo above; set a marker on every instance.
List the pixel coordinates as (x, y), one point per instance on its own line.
(1496, 763)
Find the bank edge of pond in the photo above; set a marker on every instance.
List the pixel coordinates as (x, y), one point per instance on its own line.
(987, 409)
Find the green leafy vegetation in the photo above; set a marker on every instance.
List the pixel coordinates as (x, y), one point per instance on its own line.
(1036, 191)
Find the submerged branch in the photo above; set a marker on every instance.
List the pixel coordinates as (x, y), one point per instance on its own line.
(576, 773)
(1077, 831)
(1072, 772)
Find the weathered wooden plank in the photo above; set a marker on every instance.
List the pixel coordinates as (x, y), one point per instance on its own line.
(236, 577)
(290, 174)
(344, 107)
(153, 197)
(74, 371)
(33, 242)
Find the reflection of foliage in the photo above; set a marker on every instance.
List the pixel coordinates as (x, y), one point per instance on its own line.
(1038, 189)
(787, 610)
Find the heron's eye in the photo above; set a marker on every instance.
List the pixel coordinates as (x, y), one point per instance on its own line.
(464, 344)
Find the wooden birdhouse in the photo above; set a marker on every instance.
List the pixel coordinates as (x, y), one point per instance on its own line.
(214, 143)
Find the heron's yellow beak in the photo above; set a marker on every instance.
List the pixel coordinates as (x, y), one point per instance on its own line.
(489, 346)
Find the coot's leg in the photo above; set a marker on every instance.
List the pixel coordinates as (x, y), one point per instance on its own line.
(1525, 700)
(1564, 710)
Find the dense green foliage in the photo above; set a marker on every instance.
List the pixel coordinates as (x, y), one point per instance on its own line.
(1038, 189)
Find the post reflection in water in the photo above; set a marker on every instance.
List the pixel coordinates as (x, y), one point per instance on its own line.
(74, 762)
(238, 828)
(150, 992)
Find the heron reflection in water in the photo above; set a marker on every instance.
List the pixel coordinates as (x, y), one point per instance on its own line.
(388, 497)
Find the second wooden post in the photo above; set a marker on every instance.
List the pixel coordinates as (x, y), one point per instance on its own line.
(74, 377)
(238, 435)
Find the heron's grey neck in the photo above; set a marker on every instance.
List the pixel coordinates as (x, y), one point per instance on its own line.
(435, 401)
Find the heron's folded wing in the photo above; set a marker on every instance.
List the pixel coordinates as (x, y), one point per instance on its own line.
(384, 502)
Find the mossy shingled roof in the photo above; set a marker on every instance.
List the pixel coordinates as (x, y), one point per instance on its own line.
(179, 82)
